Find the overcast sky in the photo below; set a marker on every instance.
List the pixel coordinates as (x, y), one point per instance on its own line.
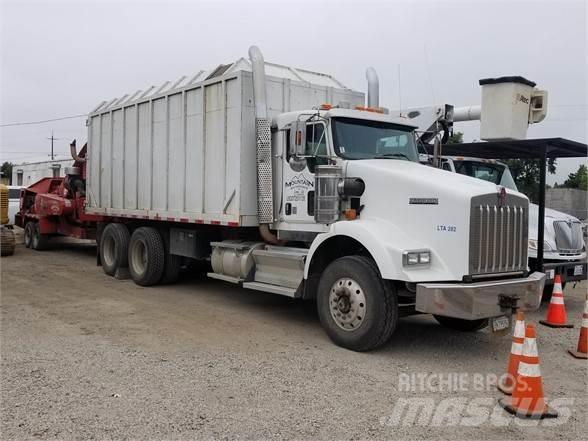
(63, 58)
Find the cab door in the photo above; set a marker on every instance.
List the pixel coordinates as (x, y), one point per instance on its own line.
(298, 176)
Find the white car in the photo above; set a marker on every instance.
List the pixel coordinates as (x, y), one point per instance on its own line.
(13, 202)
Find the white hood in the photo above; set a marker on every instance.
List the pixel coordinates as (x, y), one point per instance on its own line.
(427, 207)
(551, 216)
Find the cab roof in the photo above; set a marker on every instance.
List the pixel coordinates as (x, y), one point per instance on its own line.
(282, 120)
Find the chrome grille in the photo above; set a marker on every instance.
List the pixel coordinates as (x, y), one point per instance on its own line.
(568, 236)
(498, 235)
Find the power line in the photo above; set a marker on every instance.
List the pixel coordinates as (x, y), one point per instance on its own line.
(26, 123)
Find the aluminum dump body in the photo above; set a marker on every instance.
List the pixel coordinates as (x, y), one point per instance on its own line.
(186, 151)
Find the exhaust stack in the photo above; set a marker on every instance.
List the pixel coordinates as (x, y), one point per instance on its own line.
(265, 204)
(373, 98)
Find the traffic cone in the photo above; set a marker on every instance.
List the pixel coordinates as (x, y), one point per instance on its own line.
(527, 395)
(582, 349)
(506, 383)
(556, 312)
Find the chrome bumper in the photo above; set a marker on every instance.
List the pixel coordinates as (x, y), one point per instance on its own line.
(470, 301)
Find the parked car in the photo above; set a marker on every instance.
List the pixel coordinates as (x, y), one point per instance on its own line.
(13, 201)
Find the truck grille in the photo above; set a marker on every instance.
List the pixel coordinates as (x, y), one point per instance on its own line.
(498, 235)
(568, 236)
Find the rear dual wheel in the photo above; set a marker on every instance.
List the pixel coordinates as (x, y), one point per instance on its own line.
(114, 246)
(146, 256)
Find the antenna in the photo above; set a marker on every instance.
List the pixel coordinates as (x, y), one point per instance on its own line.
(52, 139)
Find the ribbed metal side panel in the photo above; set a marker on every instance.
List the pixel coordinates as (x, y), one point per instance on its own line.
(264, 171)
(568, 236)
(498, 235)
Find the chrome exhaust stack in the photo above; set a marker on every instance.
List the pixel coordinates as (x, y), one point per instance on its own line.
(265, 204)
(373, 96)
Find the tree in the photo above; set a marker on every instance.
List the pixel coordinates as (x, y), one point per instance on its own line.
(455, 138)
(6, 170)
(525, 173)
(578, 179)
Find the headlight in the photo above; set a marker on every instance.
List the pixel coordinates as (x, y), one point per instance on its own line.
(416, 257)
(533, 245)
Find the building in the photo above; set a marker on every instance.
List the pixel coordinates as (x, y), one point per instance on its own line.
(572, 201)
(28, 173)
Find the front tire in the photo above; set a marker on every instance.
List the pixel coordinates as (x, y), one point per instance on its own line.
(357, 308)
(38, 240)
(28, 234)
(146, 256)
(114, 248)
(461, 324)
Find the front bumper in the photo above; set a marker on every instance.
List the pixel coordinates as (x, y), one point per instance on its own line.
(479, 300)
(568, 271)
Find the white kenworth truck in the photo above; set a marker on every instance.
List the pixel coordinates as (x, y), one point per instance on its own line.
(283, 180)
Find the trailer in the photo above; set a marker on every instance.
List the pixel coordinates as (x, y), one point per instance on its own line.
(283, 180)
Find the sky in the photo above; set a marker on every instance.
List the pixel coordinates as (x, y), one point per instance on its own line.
(59, 59)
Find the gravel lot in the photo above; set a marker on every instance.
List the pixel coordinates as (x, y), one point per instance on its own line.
(85, 356)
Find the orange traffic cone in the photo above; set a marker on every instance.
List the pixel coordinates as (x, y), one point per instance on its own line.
(556, 312)
(527, 395)
(582, 350)
(506, 383)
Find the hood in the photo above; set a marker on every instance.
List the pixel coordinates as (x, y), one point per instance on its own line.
(426, 207)
(427, 178)
(550, 215)
(551, 246)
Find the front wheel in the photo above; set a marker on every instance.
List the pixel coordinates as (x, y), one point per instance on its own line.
(38, 240)
(356, 307)
(461, 324)
(28, 234)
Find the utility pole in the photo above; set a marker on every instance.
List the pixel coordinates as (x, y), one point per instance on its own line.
(52, 139)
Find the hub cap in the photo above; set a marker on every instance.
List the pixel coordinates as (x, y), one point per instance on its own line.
(347, 304)
(139, 257)
(108, 250)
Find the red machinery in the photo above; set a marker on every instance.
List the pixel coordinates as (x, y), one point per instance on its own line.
(55, 206)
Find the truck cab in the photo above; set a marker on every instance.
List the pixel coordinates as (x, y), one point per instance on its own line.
(348, 185)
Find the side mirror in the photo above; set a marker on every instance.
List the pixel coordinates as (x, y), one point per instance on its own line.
(298, 138)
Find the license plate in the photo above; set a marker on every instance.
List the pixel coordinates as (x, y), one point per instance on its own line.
(500, 323)
(578, 269)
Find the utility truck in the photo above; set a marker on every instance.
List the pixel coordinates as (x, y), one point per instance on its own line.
(508, 106)
(285, 181)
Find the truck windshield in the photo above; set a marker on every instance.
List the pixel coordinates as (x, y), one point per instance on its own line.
(363, 139)
(498, 174)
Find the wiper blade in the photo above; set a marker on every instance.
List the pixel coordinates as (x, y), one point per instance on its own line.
(391, 156)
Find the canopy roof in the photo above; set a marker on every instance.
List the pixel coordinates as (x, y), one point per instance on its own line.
(519, 149)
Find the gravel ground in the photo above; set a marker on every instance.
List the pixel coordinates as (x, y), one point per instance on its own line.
(85, 356)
